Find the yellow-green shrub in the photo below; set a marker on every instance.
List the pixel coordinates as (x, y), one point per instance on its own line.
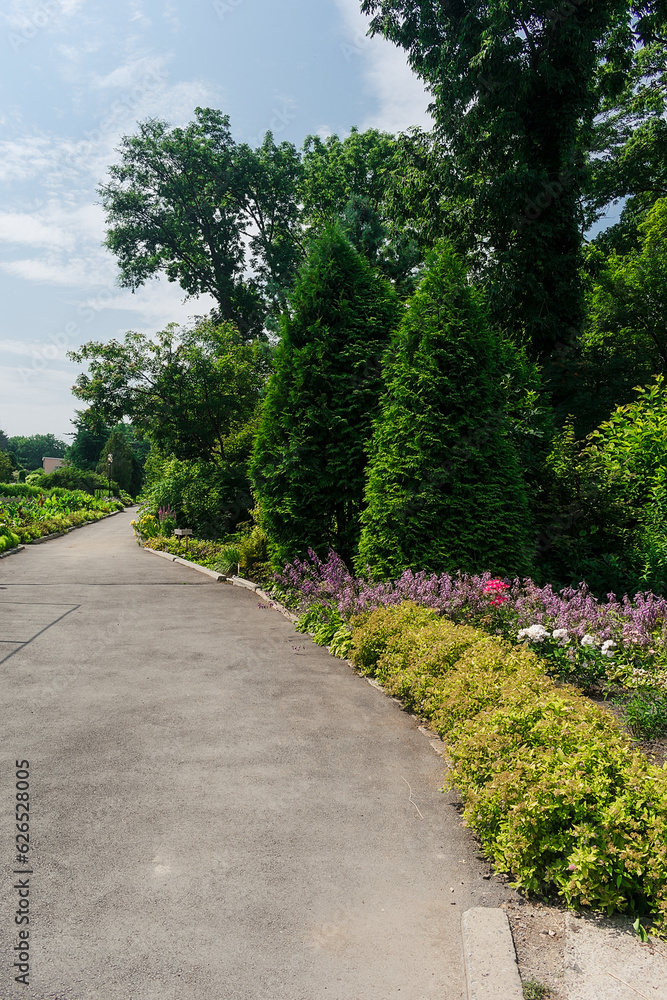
(555, 791)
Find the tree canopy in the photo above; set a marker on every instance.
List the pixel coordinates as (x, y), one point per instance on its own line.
(31, 450)
(515, 94)
(193, 204)
(188, 390)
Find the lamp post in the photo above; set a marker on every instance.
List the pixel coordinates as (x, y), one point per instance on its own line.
(109, 464)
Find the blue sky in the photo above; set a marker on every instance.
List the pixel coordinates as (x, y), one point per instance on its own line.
(78, 74)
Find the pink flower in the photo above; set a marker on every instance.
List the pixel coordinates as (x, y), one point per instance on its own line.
(496, 587)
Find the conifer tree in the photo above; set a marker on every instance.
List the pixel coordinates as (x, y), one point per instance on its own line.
(445, 491)
(309, 458)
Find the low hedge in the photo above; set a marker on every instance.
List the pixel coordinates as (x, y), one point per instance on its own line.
(553, 788)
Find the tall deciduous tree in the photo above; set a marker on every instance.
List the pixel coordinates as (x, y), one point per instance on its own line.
(124, 468)
(188, 390)
(515, 93)
(445, 490)
(309, 459)
(353, 181)
(185, 202)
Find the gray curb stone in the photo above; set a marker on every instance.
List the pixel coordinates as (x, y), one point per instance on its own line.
(11, 552)
(239, 581)
(489, 957)
(201, 569)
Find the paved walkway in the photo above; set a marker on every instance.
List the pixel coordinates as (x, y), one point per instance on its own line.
(219, 809)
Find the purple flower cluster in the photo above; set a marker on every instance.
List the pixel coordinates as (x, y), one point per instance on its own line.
(468, 598)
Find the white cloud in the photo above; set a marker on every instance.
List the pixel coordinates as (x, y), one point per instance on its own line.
(25, 158)
(36, 402)
(171, 16)
(157, 303)
(51, 270)
(56, 226)
(138, 14)
(401, 99)
(31, 16)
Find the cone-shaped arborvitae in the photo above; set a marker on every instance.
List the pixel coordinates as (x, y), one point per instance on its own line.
(445, 491)
(310, 454)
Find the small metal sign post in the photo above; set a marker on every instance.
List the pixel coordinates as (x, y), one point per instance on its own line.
(109, 464)
(183, 533)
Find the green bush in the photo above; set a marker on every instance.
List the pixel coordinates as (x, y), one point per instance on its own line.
(552, 787)
(69, 478)
(209, 497)
(605, 519)
(445, 490)
(646, 713)
(8, 538)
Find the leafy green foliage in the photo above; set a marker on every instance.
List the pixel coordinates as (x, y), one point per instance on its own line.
(8, 538)
(124, 468)
(645, 713)
(202, 551)
(211, 498)
(631, 131)
(6, 466)
(625, 339)
(352, 181)
(69, 478)
(445, 490)
(29, 513)
(604, 517)
(309, 458)
(84, 451)
(515, 95)
(181, 202)
(244, 550)
(189, 390)
(555, 792)
(327, 628)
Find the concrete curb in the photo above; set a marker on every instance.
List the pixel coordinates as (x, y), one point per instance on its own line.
(12, 552)
(236, 581)
(491, 968)
(186, 562)
(200, 569)
(239, 581)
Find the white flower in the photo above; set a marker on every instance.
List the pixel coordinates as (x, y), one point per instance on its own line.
(588, 640)
(608, 647)
(562, 634)
(536, 633)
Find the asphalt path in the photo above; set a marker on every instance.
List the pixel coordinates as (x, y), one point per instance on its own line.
(219, 810)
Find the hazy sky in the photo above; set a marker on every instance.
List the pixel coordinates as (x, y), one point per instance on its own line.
(78, 74)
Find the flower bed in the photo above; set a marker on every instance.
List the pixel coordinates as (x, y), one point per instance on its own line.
(201, 552)
(620, 642)
(29, 513)
(554, 790)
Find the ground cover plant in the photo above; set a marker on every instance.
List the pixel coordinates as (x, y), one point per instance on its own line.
(29, 513)
(556, 793)
(244, 551)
